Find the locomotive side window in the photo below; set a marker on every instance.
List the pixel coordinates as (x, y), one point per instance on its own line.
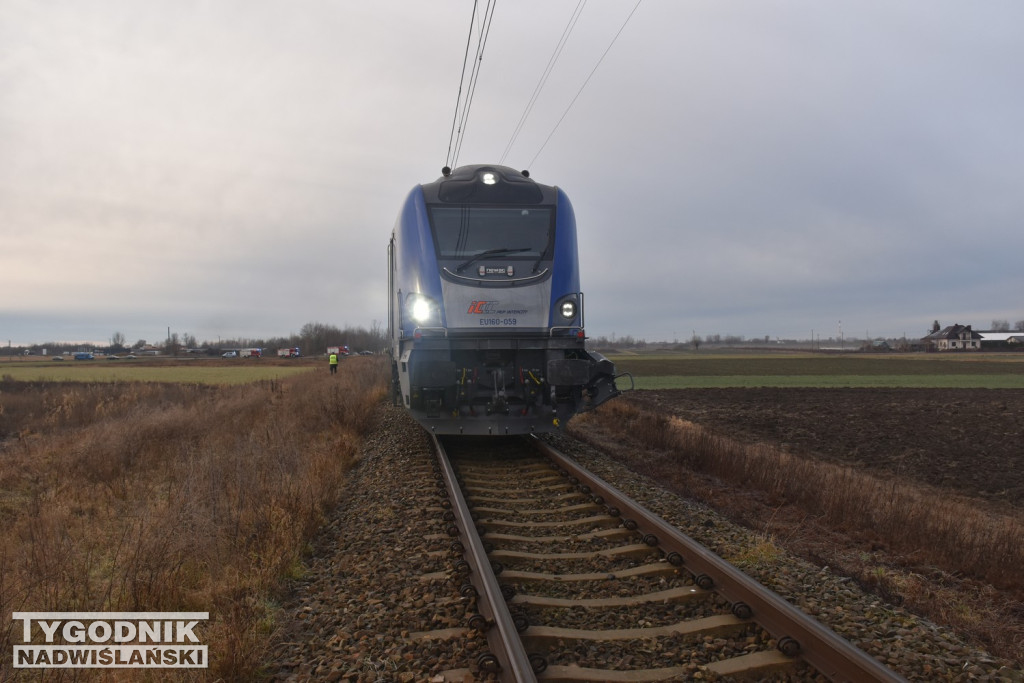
(462, 232)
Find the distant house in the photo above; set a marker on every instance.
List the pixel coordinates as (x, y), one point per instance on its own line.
(954, 338)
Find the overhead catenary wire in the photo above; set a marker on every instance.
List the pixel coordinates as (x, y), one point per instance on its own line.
(591, 75)
(462, 78)
(566, 33)
(462, 119)
(485, 31)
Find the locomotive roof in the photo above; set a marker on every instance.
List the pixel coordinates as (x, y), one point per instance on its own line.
(487, 184)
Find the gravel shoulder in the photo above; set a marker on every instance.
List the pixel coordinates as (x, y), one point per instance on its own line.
(376, 575)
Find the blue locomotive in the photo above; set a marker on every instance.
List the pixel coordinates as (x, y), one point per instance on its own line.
(485, 310)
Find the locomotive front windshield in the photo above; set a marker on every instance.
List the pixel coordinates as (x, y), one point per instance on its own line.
(462, 232)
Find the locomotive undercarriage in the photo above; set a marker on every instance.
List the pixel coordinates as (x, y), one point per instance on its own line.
(484, 386)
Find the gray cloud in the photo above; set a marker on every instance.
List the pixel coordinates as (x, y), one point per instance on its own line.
(234, 169)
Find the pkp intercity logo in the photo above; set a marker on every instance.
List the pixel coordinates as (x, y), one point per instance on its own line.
(481, 307)
(110, 640)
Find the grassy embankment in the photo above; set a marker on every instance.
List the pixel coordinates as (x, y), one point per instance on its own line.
(172, 496)
(691, 371)
(964, 540)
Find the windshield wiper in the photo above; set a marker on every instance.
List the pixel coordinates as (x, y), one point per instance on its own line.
(485, 254)
(536, 264)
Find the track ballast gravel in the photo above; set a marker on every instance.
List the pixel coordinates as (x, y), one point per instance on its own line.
(381, 571)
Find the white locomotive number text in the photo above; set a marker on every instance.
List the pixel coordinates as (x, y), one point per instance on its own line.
(498, 322)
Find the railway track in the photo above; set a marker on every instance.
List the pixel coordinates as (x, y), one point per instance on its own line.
(573, 581)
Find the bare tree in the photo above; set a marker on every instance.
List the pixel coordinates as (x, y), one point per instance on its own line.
(117, 340)
(316, 337)
(1000, 325)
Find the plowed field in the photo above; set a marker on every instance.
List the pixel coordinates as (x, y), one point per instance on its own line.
(968, 440)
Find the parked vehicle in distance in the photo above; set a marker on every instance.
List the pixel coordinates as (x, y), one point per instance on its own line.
(229, 354)
(84, 355)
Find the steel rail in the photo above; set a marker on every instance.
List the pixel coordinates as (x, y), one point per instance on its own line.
(502, 636)
(797, 633)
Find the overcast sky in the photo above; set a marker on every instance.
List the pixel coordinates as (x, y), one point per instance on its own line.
(233, 168)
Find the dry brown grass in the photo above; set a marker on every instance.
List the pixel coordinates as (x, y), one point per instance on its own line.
(958, 540)
(164, 497)
(960, 535)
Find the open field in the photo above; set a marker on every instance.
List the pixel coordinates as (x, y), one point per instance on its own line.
(690, 370)
(965, 441)
(142, 496)
(191, 371)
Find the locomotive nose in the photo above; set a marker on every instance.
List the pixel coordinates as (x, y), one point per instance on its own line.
(485, 307)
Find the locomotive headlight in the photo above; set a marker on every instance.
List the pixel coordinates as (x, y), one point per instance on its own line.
(489, 178)
(568, 309)
(422, 309)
